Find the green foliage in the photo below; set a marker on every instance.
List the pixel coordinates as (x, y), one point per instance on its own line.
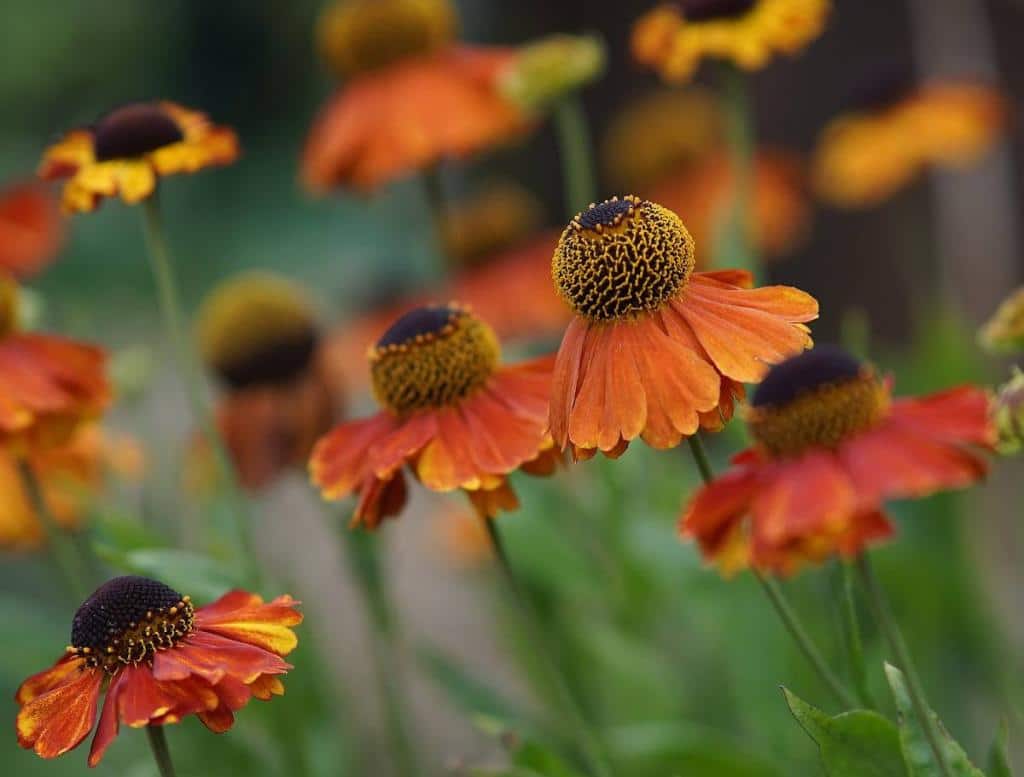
(998, 757)
(917, 752)
(202, 577)
(859, 743)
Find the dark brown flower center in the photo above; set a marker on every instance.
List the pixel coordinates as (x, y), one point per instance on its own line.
(274, 363)
(704, 10)
(621, 258)
(432, 357)
(820, 398)
(127, 619)
(133, 130)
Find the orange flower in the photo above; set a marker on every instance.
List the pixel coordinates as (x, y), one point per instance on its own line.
(897, 132)
(779, 214)
(656, 350)
(831, 447)
(129, 149)
(493, 219)
(408, 116)
(674, 37)
(259, 335)
(31, 229)
(453, 414)
(160, 659)
(70, 476)
(48, 385)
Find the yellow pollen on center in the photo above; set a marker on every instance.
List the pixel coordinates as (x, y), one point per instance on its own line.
(822, 417)
(432, 357)
(621, 258)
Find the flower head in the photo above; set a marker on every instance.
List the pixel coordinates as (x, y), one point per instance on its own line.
(674, 38)
(659, 134)
(410, 115)
(130, 148)
(48, 385)
(496, 218)
(31, 229)
(1008, 413)
(160, 658)
(70, 475)
(358, 36)
(831, 446)
(895, 131)
(553, 67)
(657, 350)
(453, 413)
(258, 333)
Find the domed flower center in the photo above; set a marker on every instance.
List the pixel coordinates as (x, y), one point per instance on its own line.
(704, 10)
(818, 399)
(622, 258)
(8, 305)
(133, 130)
(432, 357)
(362, 35)
(128, 619)
(257, 330)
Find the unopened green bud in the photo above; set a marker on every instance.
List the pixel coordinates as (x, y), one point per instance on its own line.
(547, 70)
(1005, 330)
(1009, 414)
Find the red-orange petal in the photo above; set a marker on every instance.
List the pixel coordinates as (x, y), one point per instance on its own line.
(63, 669)
(565, 381)
(31, 229)
(267, 626)
(58, 720)
(213, 657)
(110, 721)
(338, 464)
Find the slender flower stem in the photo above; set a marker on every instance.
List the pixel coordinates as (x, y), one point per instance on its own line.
(854, 643)
(779, 601)
(733, 246)
(893, 635)
(174, 323)
(364, 559)
(591, 747)
(433, 191)
(162, 756)
(65, 552)
(576, 152)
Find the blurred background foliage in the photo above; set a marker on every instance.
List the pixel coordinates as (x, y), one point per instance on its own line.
(681, 668)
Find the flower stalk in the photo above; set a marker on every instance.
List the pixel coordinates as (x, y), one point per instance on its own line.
(65, 553)
(591, 747)
(733, 246)
(781, 604)
(575, 150)
(161, 754)
(171, 311)
(887, 622)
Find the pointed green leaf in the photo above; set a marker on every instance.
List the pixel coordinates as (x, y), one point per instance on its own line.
(200, 576)
(917, 753)
(998, 757)
(859, 743)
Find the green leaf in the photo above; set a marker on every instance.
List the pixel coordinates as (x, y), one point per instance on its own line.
(535, 757)
(859, 743)
(124, 532)
(199, 576)
(917, 753)
(998, 758)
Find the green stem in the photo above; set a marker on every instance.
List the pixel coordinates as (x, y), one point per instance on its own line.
(174, 323)
(162, 756)
(733, 247)
(589, 744)
(65, 552)
(433, 191)
(854, 643)
(576, 152)
(364, 559)
(893, 635)
(779, 601)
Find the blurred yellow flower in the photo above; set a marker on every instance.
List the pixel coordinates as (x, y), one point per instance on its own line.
(1005, 330)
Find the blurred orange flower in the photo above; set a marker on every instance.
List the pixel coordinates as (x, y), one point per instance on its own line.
(674, 37)
(31, 229)
(497, 217)
(48, 385)
(453, 414)
(161, 659)
(259, 335)
(779, 215)
(867, 155)
(657, 350)
(130, 148)
(831, 446)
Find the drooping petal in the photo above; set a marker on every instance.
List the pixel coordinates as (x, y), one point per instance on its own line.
(566, 380)
(58, 720)
(64, 669)
(338, 464)
(110, 721)
(213, 657)
(268, 626)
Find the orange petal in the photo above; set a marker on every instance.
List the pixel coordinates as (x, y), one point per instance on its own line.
(267, 686)
(267, 626)
(338, 463)
(625, 410)
(38, 684)
(58, 720)
(565, 382)
(110, 721)
(141, 698)
(960, 416)
(213, 657)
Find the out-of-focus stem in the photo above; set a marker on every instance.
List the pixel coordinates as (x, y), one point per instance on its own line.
(575, 150)
(161, 754)
(733, 247)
